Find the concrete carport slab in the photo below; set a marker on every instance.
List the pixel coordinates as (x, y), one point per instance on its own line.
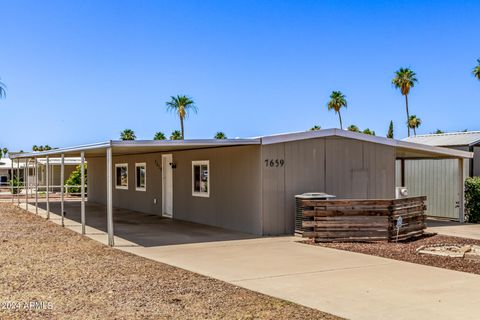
(139, 229)
(351, 285)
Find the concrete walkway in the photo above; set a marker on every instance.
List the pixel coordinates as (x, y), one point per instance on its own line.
(456, 229)
(351, 285)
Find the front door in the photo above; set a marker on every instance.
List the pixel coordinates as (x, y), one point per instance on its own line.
(167, 185)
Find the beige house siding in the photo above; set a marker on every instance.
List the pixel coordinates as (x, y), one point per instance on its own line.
(476, 161)
(343, 167)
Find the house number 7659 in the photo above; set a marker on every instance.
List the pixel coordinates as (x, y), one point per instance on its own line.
(274, 162)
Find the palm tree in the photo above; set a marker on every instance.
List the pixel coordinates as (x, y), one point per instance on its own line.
(5, 151)
(220, 135)
(476, 70)
(159, 136)
(438, 131)
(404, 80)
(176, 135)
(353, 128)
(3, 90)
(315, 128)
(390, 130)
(337, 101)
(414, 123)
(181, 105)
(127, 134)
(34, 148)
(46, 148)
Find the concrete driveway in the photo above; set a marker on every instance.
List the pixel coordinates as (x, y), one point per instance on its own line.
(351, 285)
(456, 229)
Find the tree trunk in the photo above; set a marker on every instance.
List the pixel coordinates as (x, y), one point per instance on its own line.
(414, 131)
(408, 114)
(181, 126)
(340, 117)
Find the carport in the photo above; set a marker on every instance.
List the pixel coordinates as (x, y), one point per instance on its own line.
(109, 150)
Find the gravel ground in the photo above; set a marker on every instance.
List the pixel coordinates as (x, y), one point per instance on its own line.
(405, 251)
(77, 278)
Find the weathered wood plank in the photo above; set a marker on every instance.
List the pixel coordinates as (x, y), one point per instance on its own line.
(363, 220)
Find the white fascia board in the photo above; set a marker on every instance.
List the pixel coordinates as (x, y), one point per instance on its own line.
(184, 143)
(447, 152)
(59, 151)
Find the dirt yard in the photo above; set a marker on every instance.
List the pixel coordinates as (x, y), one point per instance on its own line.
(48, 272)
(406, 251)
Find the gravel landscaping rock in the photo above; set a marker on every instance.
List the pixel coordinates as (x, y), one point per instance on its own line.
(407, 251)
(49, 272)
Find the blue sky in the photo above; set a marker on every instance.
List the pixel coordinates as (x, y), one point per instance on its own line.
(81, 71)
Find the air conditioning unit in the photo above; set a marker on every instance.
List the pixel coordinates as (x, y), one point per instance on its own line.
(401, 192)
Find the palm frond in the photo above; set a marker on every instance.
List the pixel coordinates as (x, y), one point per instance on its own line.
(3, 90)
(404, 80)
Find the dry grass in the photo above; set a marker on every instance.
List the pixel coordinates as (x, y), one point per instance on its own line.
(406, 251)
(82, 279)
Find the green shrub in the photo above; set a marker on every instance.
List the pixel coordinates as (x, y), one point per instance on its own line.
(16, 182)
(472, 199)
(75, 179)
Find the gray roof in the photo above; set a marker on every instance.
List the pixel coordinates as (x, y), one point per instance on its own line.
(468, 138)
(403, 149)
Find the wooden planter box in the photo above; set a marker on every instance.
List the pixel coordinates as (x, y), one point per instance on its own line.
(363, 220)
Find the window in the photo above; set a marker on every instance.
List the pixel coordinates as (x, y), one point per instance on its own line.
(121, 176)
(141, 176)
(200, 179)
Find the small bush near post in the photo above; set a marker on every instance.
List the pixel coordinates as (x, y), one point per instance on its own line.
(16, 183)
(75, 179)
(472, 199)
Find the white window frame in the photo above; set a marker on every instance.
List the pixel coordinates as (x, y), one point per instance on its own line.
(144, 165)
(201, 194)
(119, 165)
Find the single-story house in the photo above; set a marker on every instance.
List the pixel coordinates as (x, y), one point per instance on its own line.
(433, 178)
(245, 185)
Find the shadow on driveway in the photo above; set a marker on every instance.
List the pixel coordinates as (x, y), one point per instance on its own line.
(147, 230)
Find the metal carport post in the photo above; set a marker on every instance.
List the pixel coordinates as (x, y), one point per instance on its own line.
(25, 178)
(47, 185)
(11, 181)
(62, 191)
(18, 182)
(36, 185)
(109, 198)
(82, 188)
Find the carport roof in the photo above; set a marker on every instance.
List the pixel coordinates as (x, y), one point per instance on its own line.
(464, 138)
(403, 149)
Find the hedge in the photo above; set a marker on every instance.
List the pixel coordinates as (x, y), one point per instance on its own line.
(472, 199)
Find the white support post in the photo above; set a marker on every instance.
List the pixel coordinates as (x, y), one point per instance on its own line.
(62, 191)
(109, 198)
(82, 190)
(47, 186)
(18, 180)
(25, 178)
(11, 182)
(36, 185)
(461, 192)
